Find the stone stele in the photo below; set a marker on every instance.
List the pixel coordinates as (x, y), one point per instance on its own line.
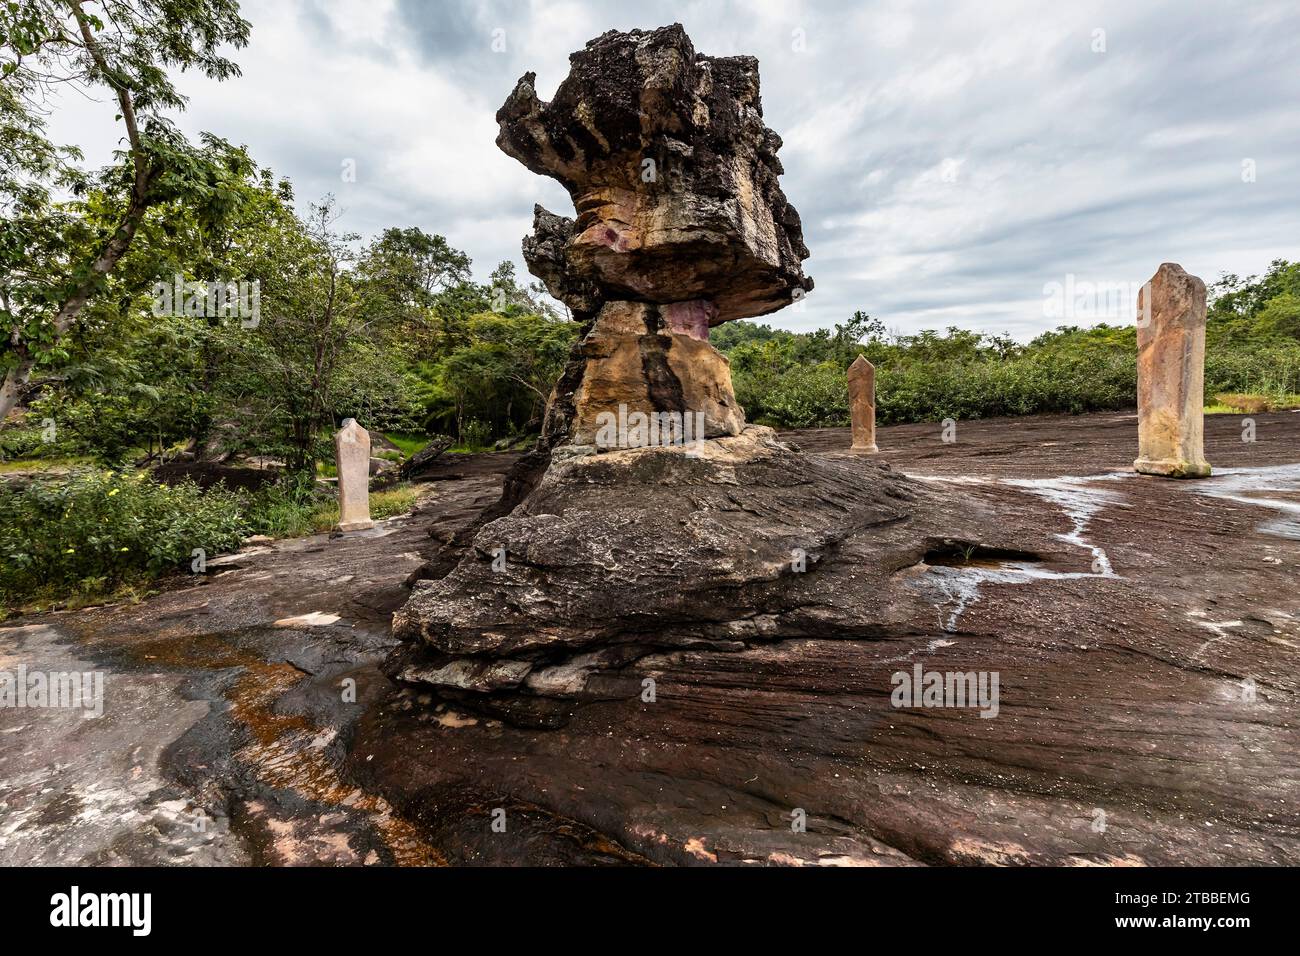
(862, 405)
(352, 451)
(1171, 375)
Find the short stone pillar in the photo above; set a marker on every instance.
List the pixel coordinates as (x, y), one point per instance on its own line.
(352, 452)
(862, 405)
(1171, 375)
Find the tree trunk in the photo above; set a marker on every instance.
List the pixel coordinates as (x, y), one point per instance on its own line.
(15, 379)
(145, 176)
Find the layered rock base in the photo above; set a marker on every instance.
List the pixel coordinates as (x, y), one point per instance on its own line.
(728, 544)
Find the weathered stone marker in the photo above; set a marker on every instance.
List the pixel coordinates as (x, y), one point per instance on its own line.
(352, 452)
(1171, 375)
(862, 405)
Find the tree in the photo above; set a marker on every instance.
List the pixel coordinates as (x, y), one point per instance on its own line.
(1232, 296)
(403, 275)
(507, 295)
(411, 267)
(127, 48)
(129, 370)
(315, 352)
(1281, 316)
(500, 372)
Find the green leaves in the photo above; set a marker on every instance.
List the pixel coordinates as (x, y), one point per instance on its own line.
(498, 371)
(51, 264)
(96, 530)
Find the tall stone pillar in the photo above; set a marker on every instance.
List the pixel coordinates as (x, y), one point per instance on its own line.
(862, 405)
(352, 452)
(1171, 375)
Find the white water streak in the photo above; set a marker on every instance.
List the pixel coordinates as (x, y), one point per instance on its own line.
(1249, 486)
(1078, 499)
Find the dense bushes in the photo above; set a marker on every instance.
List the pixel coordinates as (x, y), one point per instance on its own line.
(797, 380)
(817, 396)
(93, 531)
(1020, 386)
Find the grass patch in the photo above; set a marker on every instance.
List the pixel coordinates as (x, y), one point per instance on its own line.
(40, 464)
(408, 442)
(294, 521)
(411, 442)
(1252, 403)
(282, 514)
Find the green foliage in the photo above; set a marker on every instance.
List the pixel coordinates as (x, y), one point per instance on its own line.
(56, 259)
(28, 441)
(288, 517)
(95, 531)
(796, 380)
(92, 532)
(495, 378)
(408, 442)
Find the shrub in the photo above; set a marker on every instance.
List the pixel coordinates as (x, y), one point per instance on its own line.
(1245, 404)
(475, 434)
(93, 531)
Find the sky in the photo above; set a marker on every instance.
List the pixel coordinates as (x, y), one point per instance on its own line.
(954, 164)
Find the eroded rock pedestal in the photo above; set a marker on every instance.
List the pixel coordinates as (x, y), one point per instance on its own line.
(604, 554)
(681, 224)
(616, 558)
(639, 358)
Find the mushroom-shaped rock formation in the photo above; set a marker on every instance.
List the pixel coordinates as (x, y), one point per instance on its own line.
(674, 177)
(609, 546)
(681, 223)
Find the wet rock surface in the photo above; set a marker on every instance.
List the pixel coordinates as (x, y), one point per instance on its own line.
(227, 709)
(1142, 635)
(1144, 631)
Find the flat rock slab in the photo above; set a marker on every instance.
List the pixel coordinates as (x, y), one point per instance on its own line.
(1147, 710)
(1123, 736)
(84, 789)
(221, 739)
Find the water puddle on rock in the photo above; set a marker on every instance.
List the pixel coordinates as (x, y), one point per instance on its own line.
(959, 583)
(1276, 487)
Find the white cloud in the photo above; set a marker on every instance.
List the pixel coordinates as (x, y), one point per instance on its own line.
(1066, 160)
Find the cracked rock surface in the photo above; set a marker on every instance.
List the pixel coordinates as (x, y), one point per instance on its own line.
(1143, 632)
(729, 544)
(1147, 713)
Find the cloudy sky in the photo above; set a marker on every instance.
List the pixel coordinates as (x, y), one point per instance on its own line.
(949, 159)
